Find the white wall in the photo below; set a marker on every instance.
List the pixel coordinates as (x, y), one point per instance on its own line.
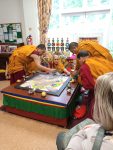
(24, 12)
(31, 19)
(10, 11)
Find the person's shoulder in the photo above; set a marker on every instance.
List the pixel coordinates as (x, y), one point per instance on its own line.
(92, 60)
(27, 47)
(88, 42)
(92, 128)
(82, 41)
(30, 46)
(60, 63)
(94, 125)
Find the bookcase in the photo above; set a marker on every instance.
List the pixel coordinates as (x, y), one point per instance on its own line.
(10, 39)
(9, 47)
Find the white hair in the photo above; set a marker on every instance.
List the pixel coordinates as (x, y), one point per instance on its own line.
(103, 107)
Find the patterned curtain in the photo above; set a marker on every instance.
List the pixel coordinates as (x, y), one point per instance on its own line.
(44, 12)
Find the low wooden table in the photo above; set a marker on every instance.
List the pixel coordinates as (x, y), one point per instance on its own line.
(52, 109)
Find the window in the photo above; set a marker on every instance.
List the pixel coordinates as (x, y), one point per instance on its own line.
(82, 18)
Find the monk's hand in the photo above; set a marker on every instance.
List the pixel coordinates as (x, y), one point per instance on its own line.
(73, 73)
(68, 73)
(53, 70)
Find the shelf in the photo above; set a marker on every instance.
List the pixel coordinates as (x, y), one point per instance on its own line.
(9, 47)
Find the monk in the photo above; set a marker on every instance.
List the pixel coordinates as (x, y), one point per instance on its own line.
(22, 57)
(90, 69)
(58, 65)
(93, 47)
(46, 59)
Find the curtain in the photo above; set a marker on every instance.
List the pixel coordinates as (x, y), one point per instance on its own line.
(44, 12)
